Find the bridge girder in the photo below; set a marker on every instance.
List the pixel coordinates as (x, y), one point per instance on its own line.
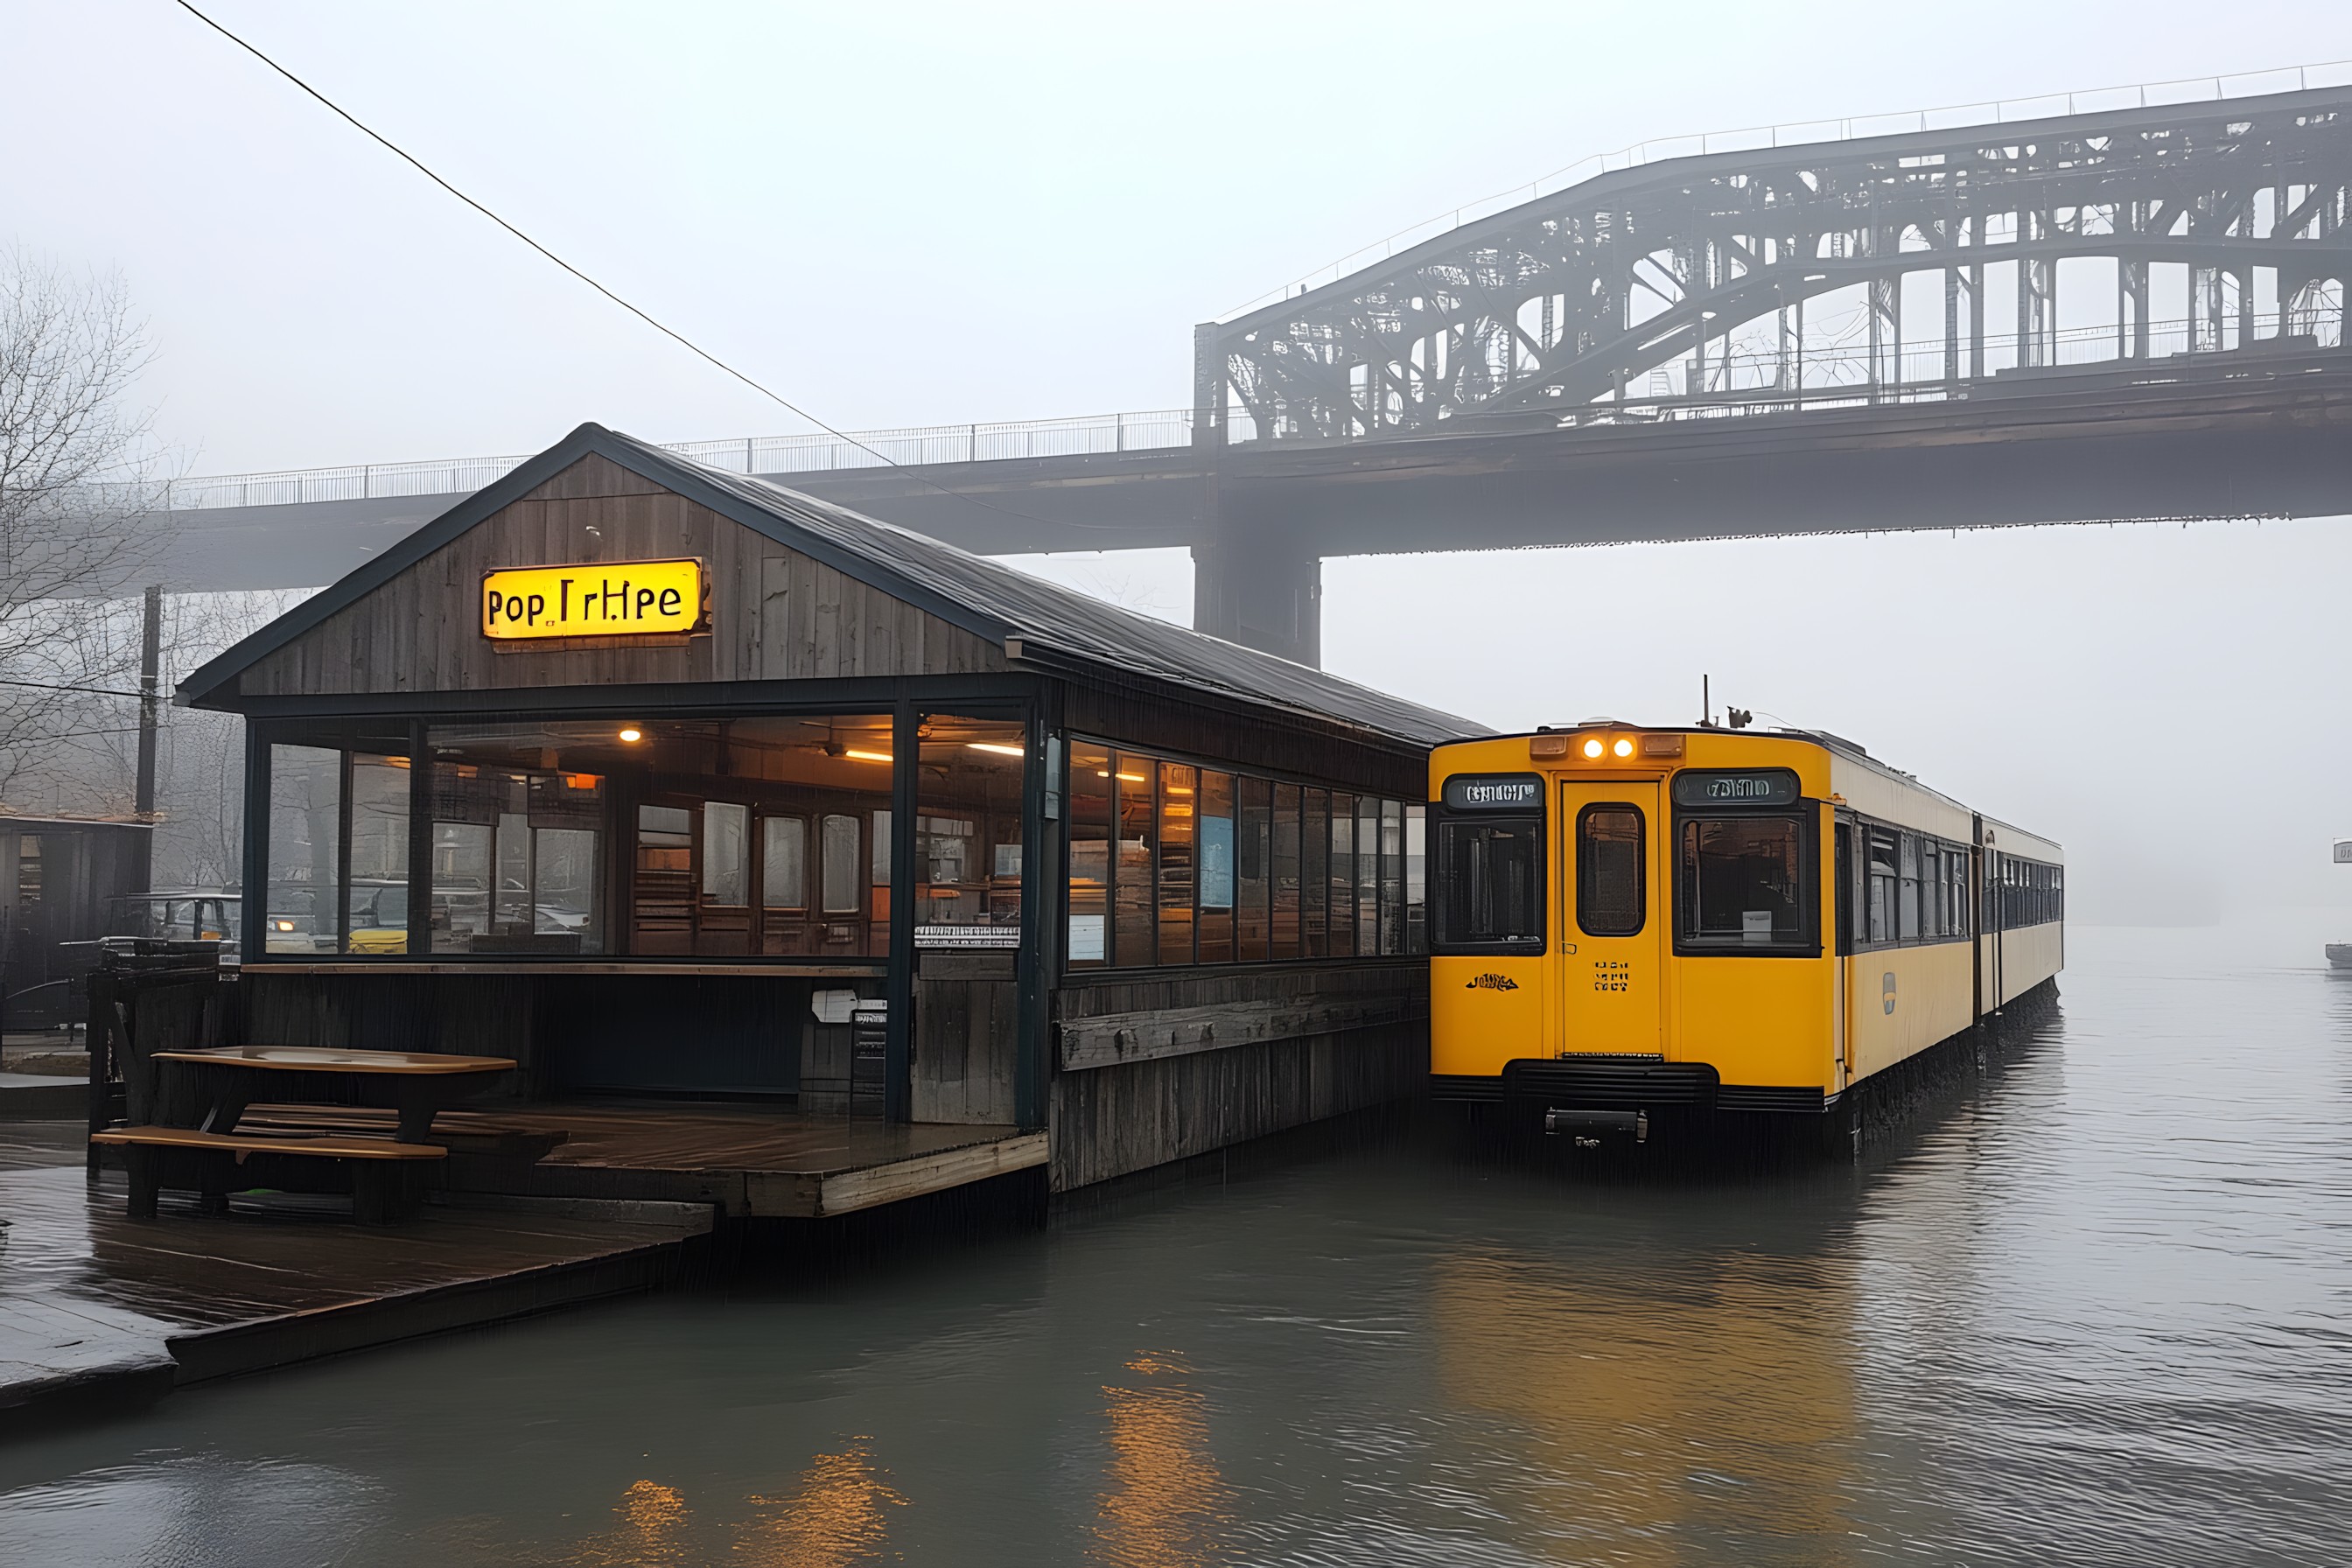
(1551, 310)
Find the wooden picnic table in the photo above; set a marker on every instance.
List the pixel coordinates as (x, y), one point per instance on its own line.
(209, 1089)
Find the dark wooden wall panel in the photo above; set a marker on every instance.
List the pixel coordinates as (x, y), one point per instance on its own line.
(775, 613)
(1110, 1121)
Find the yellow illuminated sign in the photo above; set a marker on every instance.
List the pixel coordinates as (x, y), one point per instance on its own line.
(602, 599)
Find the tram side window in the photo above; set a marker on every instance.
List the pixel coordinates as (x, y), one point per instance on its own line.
(1744, 886)
(1490, 892)
(1881, 887)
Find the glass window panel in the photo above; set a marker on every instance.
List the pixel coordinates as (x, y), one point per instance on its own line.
(305, 895)
(1136, 941)
(1367, 876)
(1179, 807)
(1392, 877)
(970, 794)
(726, 853)
(1882, 884)
(1907, 905)
(1416, 877)
(377, 886)
(783, 862)
(526, 825)
(1216, 853)
(1743, 884)
(564, 873)
(1315, 873)
(1088, 806)
(1342, 907)
(1253, 874)
(1609, 861)
(1488, 883)
(510, 899)
(1285, 870)
(844, 889)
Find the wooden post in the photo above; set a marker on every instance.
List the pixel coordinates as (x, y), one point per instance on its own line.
(98, 986)
(898, 1055)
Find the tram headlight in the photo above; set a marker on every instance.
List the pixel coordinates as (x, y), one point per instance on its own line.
(1624, 748)
(1593, 747)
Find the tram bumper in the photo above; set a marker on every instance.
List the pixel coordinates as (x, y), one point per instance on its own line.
(1610, 1089)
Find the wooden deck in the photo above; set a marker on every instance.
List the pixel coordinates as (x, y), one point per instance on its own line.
(750, 1164)
(97, 1308)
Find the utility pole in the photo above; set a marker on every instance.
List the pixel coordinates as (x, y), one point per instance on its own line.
(150, 691)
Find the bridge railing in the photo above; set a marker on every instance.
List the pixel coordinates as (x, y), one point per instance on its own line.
(1150, 429)
(1798, 133)
(1996, 356)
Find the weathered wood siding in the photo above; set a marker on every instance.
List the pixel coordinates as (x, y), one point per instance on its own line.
(775, 613)
(967, 1030)
(1161, 1100)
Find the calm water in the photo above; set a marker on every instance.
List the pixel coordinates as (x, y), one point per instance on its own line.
(2094, 1311)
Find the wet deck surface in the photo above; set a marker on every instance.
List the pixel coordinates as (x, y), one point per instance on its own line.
(754, 1162)
(93, 1302)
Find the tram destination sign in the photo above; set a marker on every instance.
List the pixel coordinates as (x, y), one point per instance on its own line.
(1506, 791)
(1753, 786)
(599, 599)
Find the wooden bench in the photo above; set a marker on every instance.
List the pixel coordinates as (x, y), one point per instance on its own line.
(460, 1132)
(385, 1178)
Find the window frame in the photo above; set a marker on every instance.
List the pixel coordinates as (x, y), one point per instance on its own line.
(1806, 813)
(1535, 946)
(1640, 867)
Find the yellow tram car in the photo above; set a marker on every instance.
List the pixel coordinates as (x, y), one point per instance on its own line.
(1626, 922)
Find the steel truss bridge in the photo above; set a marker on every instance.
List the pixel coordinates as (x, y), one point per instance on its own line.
(2128, 313)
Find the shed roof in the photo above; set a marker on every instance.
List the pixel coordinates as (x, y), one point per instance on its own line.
(1055, 627)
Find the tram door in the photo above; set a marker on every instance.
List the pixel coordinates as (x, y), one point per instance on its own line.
(1613, 923)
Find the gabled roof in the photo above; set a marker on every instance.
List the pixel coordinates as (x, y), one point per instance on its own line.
(1056, 628)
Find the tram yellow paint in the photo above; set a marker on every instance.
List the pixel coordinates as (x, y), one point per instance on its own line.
(1631, 919)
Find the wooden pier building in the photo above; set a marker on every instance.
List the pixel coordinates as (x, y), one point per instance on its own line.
(803, 863)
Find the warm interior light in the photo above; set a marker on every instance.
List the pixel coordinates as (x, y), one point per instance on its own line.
(1624, 748)
(632, 735)
(865, 756)
(1593, 747)
(1133, 778)
(579, 781)
(1000, 749)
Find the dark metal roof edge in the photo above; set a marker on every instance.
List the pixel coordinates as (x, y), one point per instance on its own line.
(1614, 181)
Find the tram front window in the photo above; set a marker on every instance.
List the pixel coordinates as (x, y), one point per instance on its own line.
(1743, 885)
(1490, 892)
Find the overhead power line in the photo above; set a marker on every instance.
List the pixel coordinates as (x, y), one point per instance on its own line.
(668, 332)
(55, 686)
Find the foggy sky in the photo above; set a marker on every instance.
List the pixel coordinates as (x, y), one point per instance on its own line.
(928, 214)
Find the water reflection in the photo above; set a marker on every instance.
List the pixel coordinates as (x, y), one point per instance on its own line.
(833, 1516)
(1163, 1499)
(1642, 1405)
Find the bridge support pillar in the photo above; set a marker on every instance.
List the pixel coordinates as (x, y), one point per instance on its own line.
(1249, 588)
